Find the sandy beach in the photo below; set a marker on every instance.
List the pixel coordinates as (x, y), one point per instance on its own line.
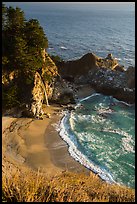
(36, 144)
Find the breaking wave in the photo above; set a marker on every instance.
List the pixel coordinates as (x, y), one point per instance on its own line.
(102, 138)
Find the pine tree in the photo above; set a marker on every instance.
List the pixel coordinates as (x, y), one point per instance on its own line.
(14, 45)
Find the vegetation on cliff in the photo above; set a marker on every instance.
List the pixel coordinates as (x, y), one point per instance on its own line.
(22, 41)
(24, 45)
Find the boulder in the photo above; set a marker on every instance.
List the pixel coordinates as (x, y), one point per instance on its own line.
(63, 92)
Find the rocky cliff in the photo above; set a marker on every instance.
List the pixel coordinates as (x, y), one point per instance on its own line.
(58, 84)
(105, 75)
(89, 62)
(29, 90)
(44, 81)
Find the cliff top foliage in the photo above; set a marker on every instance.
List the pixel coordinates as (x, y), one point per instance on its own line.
(22, 41)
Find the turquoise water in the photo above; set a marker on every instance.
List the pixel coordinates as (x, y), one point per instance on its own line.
(101, 136)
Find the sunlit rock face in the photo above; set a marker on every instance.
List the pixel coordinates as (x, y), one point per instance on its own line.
(38, 96)
(43, 85)
(85, 64)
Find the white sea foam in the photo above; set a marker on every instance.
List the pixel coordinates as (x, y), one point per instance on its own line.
(81, 117)
(119, 59)
(123, 102)
(127, 144)
(97, 119)
(67, 125)
(63, 48)
(77, 155)
(94, 94)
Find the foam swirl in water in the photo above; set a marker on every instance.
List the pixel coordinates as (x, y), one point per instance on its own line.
(100, 135)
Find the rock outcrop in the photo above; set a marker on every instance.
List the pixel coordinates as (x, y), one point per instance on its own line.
(63, 92)
(105, 75)
(49, 74)
(89, 62)
(113, 83)
(78, 67)
(38, 95)
(43, 85)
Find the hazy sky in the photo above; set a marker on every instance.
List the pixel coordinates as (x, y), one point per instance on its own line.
(73, 5)
(69, 3)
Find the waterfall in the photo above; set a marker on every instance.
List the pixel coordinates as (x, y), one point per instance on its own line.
(43, 86)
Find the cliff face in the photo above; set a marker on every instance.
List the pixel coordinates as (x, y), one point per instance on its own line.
(43, 85)
(49, 73)
(38, 95)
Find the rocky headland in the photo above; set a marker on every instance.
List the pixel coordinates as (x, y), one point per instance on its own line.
(104, 75)
(61, 83)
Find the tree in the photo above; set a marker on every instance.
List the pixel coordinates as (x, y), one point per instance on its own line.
(14, 45)
(4, 11)
(22, 40)
(35, 36)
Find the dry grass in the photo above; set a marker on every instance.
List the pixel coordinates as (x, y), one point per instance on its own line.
(66, 187)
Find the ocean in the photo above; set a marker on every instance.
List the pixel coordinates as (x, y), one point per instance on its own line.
(101, 131)
(74, 29)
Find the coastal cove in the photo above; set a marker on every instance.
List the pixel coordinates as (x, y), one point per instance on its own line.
(89, 130)
(68, 102)
(43, 139)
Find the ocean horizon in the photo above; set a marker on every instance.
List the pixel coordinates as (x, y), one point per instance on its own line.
(75, 29)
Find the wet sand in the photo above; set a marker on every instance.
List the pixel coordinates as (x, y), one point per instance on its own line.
(36, 144)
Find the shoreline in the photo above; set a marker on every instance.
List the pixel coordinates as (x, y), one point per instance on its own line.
(37, 145)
